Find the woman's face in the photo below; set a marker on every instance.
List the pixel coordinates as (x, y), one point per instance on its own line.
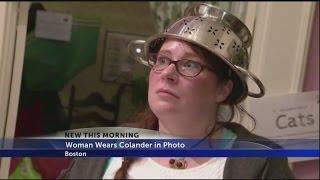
(171, 92)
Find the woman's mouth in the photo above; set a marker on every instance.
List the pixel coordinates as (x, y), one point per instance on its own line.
(166, 92)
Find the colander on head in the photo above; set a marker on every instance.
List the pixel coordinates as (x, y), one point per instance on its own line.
(213, 29)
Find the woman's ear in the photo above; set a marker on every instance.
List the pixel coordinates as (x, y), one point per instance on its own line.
(225, 90)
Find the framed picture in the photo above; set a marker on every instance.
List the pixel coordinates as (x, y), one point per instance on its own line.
(117, 63)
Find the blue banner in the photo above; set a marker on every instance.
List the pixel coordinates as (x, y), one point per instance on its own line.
(42, 147)
(98, 144)
(159, 153)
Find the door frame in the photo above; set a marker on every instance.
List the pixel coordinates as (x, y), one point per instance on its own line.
(14, 28)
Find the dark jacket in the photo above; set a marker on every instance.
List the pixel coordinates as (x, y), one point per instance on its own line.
(235, 168)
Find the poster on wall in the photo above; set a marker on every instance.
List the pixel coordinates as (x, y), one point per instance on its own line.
(117, 63)
(290, 119)
(53, 25)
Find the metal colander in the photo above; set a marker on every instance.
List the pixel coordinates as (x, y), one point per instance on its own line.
(215, 30)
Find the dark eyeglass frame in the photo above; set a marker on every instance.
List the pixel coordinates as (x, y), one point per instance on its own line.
(202, 66)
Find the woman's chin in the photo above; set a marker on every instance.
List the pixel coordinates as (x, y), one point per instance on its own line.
(164, 107)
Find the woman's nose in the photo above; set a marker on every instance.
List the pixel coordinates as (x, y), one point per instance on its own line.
(170, 74)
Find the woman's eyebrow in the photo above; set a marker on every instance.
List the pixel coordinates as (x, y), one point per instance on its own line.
(186, 54)
(191, 55)
(165, 52)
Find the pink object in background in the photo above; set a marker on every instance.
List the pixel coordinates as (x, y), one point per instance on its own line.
(306, 169)
(311, 79)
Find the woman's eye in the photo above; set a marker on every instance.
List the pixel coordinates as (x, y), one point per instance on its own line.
(162, 60)
(190, 65)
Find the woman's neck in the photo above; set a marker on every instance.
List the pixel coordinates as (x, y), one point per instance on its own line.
(187, 126)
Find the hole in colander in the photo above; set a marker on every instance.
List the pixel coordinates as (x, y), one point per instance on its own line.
(236, 46)
(185, 22)
(200, 18)
(219, 44)
(225, 29)
(213, 31)
(189, 30)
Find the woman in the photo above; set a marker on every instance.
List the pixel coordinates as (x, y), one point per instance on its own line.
(198, 67)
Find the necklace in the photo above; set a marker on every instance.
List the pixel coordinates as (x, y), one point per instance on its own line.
(180, 162)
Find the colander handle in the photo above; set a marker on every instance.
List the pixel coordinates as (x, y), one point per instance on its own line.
(255, 79)
(136, 50)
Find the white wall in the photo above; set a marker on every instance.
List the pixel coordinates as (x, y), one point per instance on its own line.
(280, 45)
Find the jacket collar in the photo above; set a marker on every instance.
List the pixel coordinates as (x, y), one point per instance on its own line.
(243, 167)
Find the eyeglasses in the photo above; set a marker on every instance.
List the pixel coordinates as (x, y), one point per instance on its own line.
(185, 67)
